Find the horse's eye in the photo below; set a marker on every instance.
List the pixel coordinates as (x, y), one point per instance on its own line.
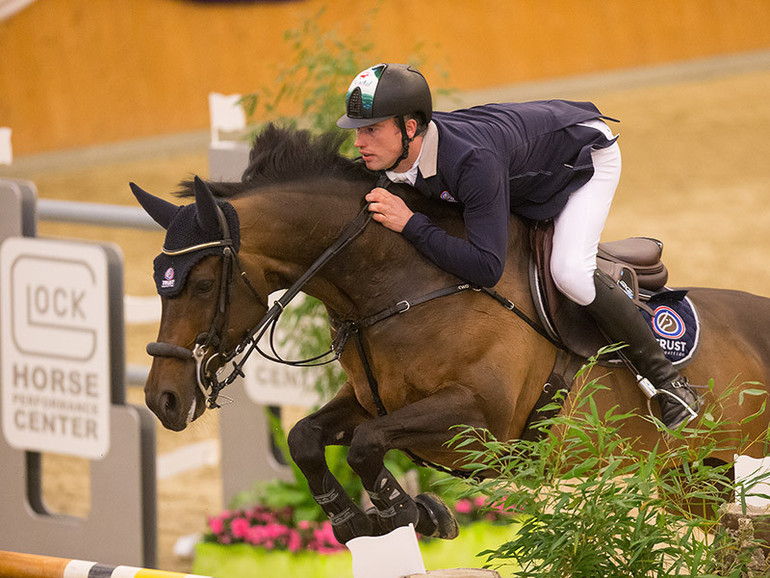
(203, 286)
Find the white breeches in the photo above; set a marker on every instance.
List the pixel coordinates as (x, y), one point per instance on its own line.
(578, 228)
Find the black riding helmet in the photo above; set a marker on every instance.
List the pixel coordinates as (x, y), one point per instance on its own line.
(387, 91)
(384, 91)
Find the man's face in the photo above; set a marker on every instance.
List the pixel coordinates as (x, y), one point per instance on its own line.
(379, 144)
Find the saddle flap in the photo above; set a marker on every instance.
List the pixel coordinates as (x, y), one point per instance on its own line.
(633, 263)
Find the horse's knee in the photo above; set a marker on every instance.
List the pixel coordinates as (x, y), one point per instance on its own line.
(306, 444)
(367, 449)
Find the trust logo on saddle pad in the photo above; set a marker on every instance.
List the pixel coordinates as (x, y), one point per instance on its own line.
(674, 322)
(667, 323)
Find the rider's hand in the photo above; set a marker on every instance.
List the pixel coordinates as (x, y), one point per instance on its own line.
(388, 209)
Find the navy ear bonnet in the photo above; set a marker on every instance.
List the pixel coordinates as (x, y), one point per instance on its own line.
(185, 231)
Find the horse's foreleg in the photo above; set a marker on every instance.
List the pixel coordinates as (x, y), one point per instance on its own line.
(423, 425)
(333, 424)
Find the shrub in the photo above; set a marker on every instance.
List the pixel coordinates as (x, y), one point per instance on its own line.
(592, 504)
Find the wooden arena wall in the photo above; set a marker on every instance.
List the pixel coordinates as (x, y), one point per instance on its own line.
(83, 72)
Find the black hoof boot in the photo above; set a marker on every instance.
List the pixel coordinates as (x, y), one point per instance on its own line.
(436, 520)
(679, 404)
(351, 523)
(347, 519)
(395, 508)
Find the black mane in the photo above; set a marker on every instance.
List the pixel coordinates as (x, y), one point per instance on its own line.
(281, 155)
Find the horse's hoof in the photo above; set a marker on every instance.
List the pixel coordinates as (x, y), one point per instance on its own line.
(436, 520)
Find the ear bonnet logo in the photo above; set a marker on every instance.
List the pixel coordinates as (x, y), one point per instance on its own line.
(168, 278)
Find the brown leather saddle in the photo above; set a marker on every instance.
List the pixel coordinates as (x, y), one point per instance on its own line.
(634, 263)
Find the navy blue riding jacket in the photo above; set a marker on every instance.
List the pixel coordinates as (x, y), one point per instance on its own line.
(497, 159)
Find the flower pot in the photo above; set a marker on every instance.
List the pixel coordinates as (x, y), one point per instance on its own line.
(242, 560)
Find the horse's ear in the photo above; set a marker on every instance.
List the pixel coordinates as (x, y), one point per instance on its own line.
(160, 210)
(207, 211)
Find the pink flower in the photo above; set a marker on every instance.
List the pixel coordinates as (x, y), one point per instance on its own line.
(499, 506)
(479, 501)
(295, 542)
(255, 535)
(275, 530)
(216, 525)
(463, 507)
(240, 527)
(327, 533)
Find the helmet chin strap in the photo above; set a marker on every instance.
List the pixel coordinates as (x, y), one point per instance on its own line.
(405, 141)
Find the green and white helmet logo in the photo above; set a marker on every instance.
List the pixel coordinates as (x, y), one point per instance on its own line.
(367, 82)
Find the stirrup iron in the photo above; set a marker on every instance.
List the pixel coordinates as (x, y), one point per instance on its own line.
(650, 392)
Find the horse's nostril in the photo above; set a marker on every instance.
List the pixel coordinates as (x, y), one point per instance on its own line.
(169, 403)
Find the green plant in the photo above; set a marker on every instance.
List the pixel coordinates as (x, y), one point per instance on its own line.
(592, 504)
(310, 88)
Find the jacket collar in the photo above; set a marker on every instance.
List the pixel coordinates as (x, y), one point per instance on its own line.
(429, 152)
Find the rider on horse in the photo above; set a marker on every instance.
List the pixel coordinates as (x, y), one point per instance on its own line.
(544, 160)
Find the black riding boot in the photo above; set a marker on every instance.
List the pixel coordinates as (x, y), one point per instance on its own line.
(620, 321)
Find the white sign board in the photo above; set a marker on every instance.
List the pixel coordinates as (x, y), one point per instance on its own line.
(270, 383)
(754, 474)
(54, 347)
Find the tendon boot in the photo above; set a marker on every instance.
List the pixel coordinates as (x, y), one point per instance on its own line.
(395, 508)
(620, 321)
(347, 519)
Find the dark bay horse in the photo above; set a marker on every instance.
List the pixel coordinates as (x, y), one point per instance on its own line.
(458, 359)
